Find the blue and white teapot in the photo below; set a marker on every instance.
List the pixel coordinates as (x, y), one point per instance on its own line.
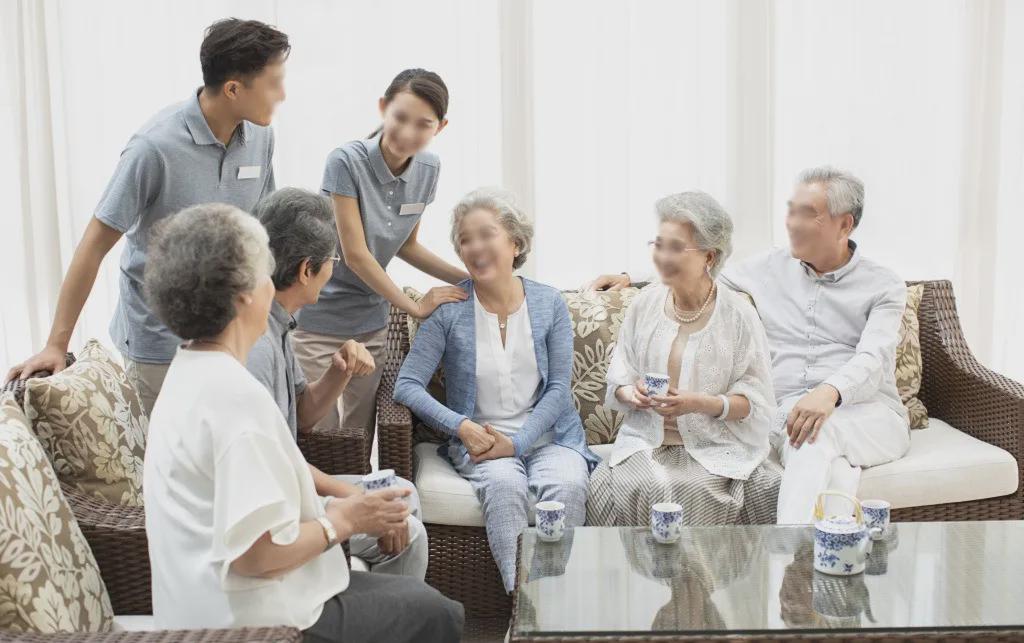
(841, 543)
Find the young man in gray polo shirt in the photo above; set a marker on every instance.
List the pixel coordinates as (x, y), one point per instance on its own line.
(303, 241)
(215, 146)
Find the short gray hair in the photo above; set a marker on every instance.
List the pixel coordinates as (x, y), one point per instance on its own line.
(712, 226)
(301, 226)
(843, 191)
(199, 261)
(503, 204)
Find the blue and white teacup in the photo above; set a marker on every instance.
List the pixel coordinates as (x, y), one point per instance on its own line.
(876, 515)
(666, 521)
(657, 384)
(550, 520)
(378, 480)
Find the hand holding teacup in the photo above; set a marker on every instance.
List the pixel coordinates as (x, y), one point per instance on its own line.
(676, 403)
(638, 395)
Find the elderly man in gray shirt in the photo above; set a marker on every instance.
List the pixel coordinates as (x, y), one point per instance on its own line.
(216, 146)
(832, 317)
(303, 239)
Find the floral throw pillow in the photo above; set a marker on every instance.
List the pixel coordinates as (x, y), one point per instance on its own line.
(909, 365)
(49, 580)
(596, 318)
(92, 426)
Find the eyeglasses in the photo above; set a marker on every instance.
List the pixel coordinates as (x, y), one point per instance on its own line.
(672, 247)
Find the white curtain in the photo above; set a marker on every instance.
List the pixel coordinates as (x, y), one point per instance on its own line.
(588, 110)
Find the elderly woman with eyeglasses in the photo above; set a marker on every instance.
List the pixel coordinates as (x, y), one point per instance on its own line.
(703, 444)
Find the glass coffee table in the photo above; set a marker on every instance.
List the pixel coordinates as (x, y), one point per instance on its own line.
(923, 580)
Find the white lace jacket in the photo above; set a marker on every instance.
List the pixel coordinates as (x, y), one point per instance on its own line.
(728, 356)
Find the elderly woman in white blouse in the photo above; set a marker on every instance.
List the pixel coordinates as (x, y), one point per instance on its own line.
(237, 533)
(704, 444)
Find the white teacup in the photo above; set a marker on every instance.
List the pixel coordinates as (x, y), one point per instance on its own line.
(666, 521)
(657, 384)
(877, 514)
(550, 520)
(379, 480)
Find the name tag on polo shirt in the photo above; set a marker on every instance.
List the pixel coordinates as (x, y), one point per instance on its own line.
(249, 172)
(412, 208)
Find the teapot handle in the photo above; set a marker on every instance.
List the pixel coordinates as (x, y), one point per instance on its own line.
(819, 505)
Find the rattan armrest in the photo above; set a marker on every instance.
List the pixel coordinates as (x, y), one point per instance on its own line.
(117, 537)
(336, 451)
(240, 635)
(394, 421)
(957, 388)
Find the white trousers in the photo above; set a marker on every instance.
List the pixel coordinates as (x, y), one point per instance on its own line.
(855, 436)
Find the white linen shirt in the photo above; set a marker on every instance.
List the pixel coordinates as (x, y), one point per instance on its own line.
(840, 328)
(222, 469)
(729, 356)
(508, 380)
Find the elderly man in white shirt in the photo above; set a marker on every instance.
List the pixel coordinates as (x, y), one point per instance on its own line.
(832, 317)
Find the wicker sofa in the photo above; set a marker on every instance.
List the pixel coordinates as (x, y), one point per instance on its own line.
(117, 537)
(986, 409)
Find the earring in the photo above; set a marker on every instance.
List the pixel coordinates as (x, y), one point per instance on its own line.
(707, 269)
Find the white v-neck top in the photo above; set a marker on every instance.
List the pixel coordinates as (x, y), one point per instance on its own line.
(507, 378)
(221, 470)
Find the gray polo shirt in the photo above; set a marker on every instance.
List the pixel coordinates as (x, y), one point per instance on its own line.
(272, 361)
(390, 207)
(174, 161)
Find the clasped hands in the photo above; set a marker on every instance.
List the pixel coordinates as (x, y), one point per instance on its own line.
(485, 442)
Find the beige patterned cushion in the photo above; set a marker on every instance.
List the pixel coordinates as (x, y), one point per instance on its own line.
(596, 319)
(92, 426)
(909, 366)
(49, 580)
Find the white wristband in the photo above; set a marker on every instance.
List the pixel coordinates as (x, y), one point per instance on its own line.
(725, 407)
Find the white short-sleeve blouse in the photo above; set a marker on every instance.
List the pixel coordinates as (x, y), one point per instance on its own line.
(222, 469)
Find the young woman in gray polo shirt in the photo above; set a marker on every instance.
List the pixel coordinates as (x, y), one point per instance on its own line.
(380, 187)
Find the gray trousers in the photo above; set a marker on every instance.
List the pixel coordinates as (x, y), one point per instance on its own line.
(503, 487)
(412, 561)
(378, 607)
(147, 380)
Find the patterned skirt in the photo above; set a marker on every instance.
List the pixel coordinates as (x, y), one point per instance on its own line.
(623, 495)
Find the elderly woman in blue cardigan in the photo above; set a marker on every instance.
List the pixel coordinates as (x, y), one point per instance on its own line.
(507, 357)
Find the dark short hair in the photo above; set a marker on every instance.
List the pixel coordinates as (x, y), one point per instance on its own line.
(301, 226)
(234, 48)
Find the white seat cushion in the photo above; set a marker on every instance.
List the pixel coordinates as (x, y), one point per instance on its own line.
(134, 623)
(943, 465)
(446, 498)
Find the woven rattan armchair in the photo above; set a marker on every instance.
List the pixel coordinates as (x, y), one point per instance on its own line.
(956, 388)
(117, 534)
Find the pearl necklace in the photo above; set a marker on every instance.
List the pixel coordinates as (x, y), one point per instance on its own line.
(681, 316)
